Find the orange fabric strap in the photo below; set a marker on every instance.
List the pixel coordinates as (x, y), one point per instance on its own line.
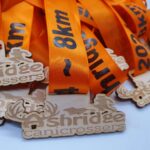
(1, 20)
(70, 37)
(103, 77)
(140, 55)
(17, 26)
(104, 16)
(134, 16)
(148, 24)
(37, 3)
(7, 4)
(107, 24)
(39, 40)
(68, 64)
(85, 16)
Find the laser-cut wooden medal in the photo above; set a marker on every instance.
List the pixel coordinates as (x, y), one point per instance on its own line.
(18, 67)
(140, 94)
(55, 118)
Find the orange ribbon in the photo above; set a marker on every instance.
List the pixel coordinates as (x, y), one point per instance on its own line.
(70, 37)
(103, 77)
(17, 28)
(118, 36)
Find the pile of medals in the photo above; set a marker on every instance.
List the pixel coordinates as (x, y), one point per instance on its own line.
(61, 60)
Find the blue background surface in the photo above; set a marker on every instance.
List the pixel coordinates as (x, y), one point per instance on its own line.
(135, 137)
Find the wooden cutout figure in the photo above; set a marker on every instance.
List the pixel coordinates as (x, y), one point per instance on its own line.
(60, 119)
(16, 55)
(104, 103)
(140, 95)
(18, 67)
(20, 56)
(35, 101)
(119, 60)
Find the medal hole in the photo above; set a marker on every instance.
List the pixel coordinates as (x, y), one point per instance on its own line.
(92, 113)
(7, 65)
(140, 97)
(34, 127)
